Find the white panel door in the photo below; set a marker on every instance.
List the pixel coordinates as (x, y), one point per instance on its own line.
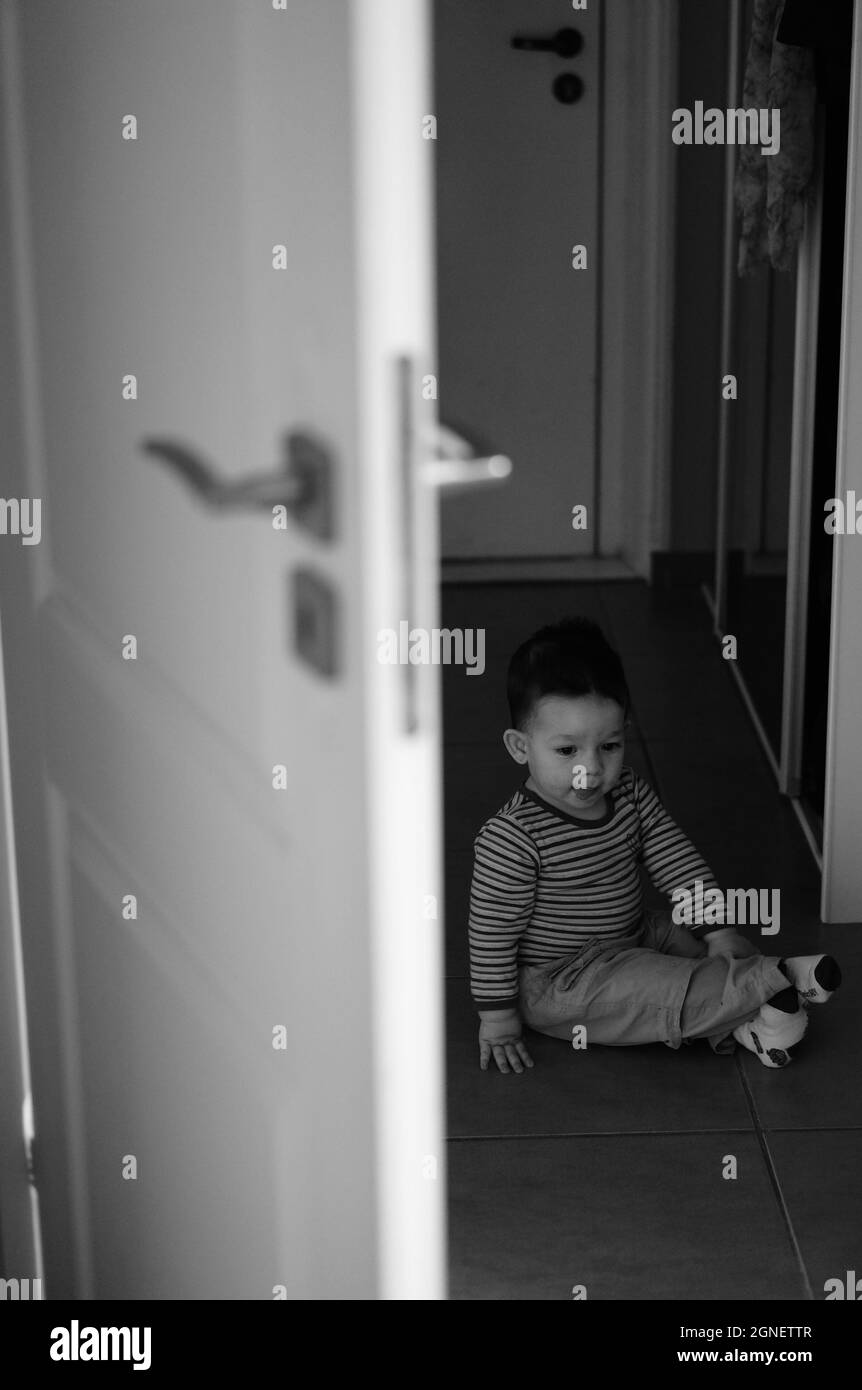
(182, 913)
(517, 188)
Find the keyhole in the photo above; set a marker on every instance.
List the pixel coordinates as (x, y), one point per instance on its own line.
(568, 88)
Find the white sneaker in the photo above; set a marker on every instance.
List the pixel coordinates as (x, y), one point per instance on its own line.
(770, 1033)
(814, 990)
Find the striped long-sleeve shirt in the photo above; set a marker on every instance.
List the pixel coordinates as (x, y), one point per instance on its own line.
(545, 883)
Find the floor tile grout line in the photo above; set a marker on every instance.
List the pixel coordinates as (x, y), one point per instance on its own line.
(812, 1129)
(640, 1133)
(774, 1180)
(601, 1134)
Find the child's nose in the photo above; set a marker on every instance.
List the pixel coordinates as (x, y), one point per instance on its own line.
(586, 768)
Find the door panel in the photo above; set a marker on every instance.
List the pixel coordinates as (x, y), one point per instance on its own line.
(517, 188)
(259, 1167)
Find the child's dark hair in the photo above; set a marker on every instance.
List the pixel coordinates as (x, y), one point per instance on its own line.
(572, 657)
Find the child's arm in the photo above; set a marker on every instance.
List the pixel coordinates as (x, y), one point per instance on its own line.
(500, 1038)
(674, 864)
(502, 895)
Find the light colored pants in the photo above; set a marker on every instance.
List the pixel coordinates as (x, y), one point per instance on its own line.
(657, 985)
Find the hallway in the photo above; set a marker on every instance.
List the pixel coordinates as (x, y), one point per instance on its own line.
(604, 1168)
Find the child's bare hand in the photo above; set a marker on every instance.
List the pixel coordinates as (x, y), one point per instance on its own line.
(500, 1037)
(727, 942)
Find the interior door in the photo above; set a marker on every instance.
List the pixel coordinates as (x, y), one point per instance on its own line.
(225, 810)
(517, 191)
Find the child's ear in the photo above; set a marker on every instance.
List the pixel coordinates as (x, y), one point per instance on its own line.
(516, 745)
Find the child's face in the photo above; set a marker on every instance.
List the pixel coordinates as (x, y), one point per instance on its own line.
(571, 735)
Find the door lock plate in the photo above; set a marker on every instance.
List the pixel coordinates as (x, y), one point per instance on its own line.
(315, 622)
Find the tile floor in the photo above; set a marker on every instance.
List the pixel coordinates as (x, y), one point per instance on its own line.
(603, 1168)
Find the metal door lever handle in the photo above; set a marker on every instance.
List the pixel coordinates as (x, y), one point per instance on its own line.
(454, 467)
(565, 43)
(258, 490)
(302, 485)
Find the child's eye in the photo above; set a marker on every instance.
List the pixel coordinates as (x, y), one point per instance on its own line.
(612, 747)
(567, 751)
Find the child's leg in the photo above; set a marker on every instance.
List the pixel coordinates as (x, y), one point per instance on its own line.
(627, 996)
(779, 1024)
(724, 993)
(672, 938)
(774, 1018)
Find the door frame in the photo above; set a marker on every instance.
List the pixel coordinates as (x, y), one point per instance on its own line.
(841, 893)
(19, 1205)
(634, 385)
(62, 1245)
(799, 509)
